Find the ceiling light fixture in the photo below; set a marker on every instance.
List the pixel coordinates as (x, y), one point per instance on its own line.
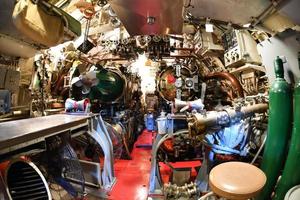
(247, 25)
(209, 27)
(150, 20)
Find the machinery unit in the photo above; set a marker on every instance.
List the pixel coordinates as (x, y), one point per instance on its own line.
(177, 82)
(5, 101)
(111, 85)
(105, 85)
(207, 44)
(149, 99)
(240, 48)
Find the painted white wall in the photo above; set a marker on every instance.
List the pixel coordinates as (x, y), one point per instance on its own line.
(287, 46)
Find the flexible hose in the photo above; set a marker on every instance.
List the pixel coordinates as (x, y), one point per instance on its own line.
(206, 195)
(259, 150)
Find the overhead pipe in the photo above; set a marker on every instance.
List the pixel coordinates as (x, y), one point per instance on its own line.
(271, 8)
(178, 56)
(291, 173)
(86, 60)
(109, 59)
(184, 49)
(279, 126)
(230, 77)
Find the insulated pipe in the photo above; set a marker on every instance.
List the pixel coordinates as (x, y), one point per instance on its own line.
(266, 12)
(230, 77)
(259, 150)
(214, 118)
(291, 173)
(279, 126)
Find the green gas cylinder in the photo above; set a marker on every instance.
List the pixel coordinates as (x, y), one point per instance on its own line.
(291, 173)
(279, 127)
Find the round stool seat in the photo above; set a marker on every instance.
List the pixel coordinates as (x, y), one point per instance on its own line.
(236, 180)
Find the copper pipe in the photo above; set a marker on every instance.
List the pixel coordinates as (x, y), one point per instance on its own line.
(179, 56)
(184, 49)
(59, 85)
(176, 38)
(227, 76)
(86, 60)
(109, 59)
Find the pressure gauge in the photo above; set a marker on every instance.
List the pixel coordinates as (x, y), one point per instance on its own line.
(156, 38)
(189, 83)
(178, 83)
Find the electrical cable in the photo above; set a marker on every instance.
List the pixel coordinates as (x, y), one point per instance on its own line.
(259, 150)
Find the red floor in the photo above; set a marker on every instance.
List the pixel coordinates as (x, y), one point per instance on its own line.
(133, 175)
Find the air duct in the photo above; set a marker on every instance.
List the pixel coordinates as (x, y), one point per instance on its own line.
(150, 17)
(25, 181)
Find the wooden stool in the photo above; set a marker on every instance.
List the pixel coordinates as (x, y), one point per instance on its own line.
(236, 180)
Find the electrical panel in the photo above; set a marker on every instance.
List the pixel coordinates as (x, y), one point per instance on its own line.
(5, 101)
(208, 45)
(2, 77)
(240, 48)
(12, 80)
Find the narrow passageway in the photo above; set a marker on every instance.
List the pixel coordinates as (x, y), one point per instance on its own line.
(133, 175)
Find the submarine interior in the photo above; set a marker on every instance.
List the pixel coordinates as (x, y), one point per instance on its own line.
(149, 99)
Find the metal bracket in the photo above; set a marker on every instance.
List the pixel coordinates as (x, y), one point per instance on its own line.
(156, 184)
(100, 134)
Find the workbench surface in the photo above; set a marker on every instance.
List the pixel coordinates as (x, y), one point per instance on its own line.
(20, 131)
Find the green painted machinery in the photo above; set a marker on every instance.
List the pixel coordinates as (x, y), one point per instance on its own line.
(291, 173)
(110, 88)
(279, 127)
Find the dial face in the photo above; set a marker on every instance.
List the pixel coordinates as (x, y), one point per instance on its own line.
(156, 38)
(178, 83)
(189, 83)
(168, 84)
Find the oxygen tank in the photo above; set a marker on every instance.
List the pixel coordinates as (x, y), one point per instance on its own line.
(279, 126)
(291, 173)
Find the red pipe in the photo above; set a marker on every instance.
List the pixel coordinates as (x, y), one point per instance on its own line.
(5, 164)
(227, 76)
(3, 167)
